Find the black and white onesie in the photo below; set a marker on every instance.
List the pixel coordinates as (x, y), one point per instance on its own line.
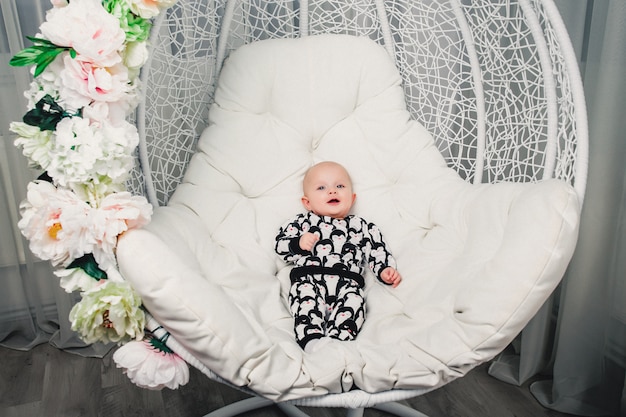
(326, 295)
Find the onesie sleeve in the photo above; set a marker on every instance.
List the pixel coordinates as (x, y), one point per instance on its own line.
(288, 239)
(378, 257)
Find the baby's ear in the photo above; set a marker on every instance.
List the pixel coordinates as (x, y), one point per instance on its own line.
(306, 203)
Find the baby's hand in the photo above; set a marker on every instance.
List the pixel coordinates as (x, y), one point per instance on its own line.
(391, 276)
(307, 241)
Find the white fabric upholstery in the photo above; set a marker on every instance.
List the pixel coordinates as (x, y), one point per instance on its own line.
(477, 261)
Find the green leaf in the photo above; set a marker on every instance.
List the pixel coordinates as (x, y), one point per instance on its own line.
(45, 177)
(41, 54)
(45, 59)
(88, 264)
(26, 57)
(160, 344)
(40, 41)
(46, 114)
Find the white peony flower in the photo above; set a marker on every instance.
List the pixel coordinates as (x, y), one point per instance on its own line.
(109, 312)
(148, 9)
(147, 366)
(93, 192)
(88, 28)
(56, 223)
(75, 279)
(35, 143)
(135, 56)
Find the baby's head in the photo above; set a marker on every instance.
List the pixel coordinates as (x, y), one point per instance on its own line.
(327, 189)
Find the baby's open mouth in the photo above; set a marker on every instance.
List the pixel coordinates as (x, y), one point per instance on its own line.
(333, 201)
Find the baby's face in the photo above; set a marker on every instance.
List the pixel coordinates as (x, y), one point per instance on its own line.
(328, 190)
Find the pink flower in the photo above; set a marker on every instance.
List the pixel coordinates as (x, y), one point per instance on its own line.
(59, 3)
(117, 213)
(114, 113)
(56, 222)
(84, 82)
(149, 367)
(132, 211)
(149, 8)
(88, 28)
(61, 227)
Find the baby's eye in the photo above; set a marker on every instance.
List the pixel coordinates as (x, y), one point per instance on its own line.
(341, 186)
(321, 187)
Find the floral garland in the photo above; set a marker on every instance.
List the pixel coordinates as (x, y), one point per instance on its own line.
(85, 63)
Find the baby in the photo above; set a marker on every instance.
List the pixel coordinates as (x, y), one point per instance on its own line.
(328, 248)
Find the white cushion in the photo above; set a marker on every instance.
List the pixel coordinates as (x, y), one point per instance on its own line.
(477, 261)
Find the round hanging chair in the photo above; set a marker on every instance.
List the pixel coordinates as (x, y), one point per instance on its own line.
(463, 126)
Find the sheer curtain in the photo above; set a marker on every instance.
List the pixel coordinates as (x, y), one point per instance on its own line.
(585, 349)
(33, 307)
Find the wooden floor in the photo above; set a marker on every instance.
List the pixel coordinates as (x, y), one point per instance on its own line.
(46, 382)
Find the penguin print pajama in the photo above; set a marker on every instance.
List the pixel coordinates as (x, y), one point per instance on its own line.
(326, 295)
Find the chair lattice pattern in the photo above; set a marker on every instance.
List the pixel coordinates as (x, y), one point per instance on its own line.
(491, 80)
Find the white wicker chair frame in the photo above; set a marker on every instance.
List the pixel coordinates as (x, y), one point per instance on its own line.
(495, 82)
